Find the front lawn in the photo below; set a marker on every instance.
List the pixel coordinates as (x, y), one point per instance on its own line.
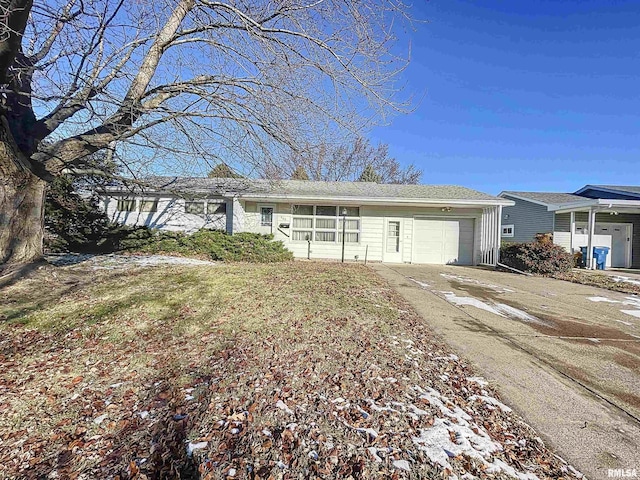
(294, 370)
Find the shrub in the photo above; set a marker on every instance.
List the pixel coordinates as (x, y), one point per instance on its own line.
(536, 257)
(218, 245)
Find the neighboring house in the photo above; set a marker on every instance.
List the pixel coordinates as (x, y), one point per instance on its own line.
(389, 223)
(595, 215)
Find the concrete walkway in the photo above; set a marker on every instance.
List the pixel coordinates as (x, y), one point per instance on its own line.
(564, 356)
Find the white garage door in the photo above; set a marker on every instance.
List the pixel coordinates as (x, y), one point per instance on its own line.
(443, 240)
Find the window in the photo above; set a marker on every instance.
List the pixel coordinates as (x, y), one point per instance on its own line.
(507, 230)
(216, 208)
(351, 211)
(266, 216)
(323, 223)
(325, 211)
(126, 205)
(148, 205)
(302, 210)
(197, 208)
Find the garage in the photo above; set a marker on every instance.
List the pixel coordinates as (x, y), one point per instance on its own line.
(443, 241)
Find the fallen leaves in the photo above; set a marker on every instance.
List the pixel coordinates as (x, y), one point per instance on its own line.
(209, 374)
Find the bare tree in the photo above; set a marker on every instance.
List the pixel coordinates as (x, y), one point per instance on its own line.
(345, 162)
(178, 80)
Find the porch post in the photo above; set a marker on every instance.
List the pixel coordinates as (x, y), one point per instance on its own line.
(573, 229)
(592, 227)
(498, 234)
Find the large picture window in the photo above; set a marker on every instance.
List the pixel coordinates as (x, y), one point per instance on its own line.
(323, 223)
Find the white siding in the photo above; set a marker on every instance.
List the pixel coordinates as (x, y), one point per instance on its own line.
(372, 230)
(170, 215)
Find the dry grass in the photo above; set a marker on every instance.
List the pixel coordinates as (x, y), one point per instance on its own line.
(601, 280)
(109, 374)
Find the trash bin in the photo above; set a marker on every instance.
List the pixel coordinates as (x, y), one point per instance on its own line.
(584, 256)
(600, 254)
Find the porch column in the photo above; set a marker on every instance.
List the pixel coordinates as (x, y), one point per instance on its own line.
(592, 227)
(496, 259)
(573, 229)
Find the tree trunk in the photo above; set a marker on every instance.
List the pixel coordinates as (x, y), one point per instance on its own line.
(21, 205)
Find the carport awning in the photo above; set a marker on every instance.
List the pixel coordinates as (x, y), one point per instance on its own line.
(593, 206)
(598, 205)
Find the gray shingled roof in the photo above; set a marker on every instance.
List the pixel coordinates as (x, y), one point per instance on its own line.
(305, 188)
(551, 198)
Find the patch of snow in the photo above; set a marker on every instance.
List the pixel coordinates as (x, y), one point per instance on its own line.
(191, 447)
(490, 401)
(437, 444)
(435, 398)
(100, 419)
(619, 278)
(479, 380)
(602, 299)
(369, 431)
(422, 284)
(283, 406)
(516, 313)
(499, 466)
(633, 313)
(473, 302)
(402, 465)
(377, 408)
(144, 414)
(373, 451)
(459, 435)
(117, 261)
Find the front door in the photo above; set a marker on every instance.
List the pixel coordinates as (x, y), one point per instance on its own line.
(393, 240)
(266, 219)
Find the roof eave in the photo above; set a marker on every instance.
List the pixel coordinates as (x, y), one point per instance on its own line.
(607, 190)
(379, 200)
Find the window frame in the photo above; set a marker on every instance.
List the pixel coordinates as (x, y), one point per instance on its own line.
(218, 205)
(131, 201)
(336, 230)
(153, 201)
(189, 202)
(508, 235)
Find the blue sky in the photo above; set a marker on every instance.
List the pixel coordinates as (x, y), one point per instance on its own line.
(523, 95)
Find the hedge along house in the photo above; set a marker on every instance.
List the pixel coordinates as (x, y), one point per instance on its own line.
(389, 223)
(595, 215)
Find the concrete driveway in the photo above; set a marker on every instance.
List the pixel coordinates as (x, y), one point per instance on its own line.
(565, 356)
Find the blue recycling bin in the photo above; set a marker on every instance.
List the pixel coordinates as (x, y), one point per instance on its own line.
(600, 254)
